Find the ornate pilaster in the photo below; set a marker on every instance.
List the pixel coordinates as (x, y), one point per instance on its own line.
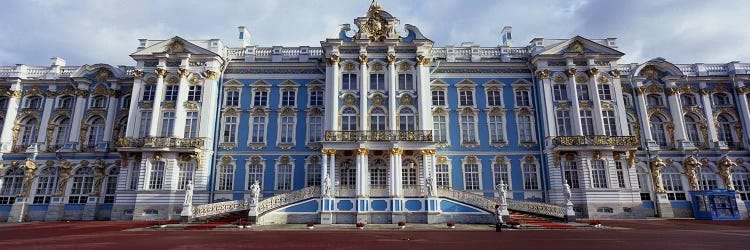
(78, 113)
(182, 94)
(156, 106)
(392, 83)
(10, 117)
(133, 109)
(742, 95)
(675, 108)
(362, 182)
(111, 112)
(332, 90)
(396, 187)
(424, 93)
(709, 113)
(44, 125)
(364, 85)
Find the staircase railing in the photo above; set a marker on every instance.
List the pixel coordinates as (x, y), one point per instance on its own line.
(211, 209)
(488, 203)
(287, 199)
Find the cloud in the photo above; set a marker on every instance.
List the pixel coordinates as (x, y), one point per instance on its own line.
(87, 32)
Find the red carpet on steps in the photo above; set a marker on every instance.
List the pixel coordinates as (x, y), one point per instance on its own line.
(539, 221)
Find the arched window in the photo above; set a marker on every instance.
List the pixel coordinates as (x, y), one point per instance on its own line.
(708, 179)
(12, 185)
(378, 120)
(99, 101)
(741, 181)
(632, 124)
(672, 180)
(644, 180)
(409, 173)
(722, 99)
(724, 129)
(29, 132)
(688, 100)
(349, 119)
(110, 186)
(187, 171)
(33, 102)
(658, 130)
(654, 100)
(83, 184)
(691, 127)
(62, 131)
(46, 185)
(628, 99)
(572, 176)
(407, 120)
(96, 132)
(125, 103)
(378, 174)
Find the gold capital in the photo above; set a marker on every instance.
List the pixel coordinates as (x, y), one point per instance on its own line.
(210, 74)
(183, 72)
(396, 151)
(543, 74)
(362, 58)
(422, 60)
(334, 59)
(362, 151)
(616, 72)
(137, 74)
(160, 72)
(391, 58)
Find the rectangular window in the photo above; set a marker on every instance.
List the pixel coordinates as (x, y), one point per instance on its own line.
(109, 189)
(258, 130)
(349, 82)
(441, 128)
(530, 176)
(524, 129)
(313, 175)
(316, 98)
(148, 93)
(620, 175)
(409, 177)
(500, 172)
(605, 92)
(170, 93)
(348, 177)
(226, 177)
(438, 98)
(468, 134)
(145, 124)
(496, 129)
(315, 129)
(560, 92)
(471, 177)
(254, 173)
(194, 93)
(466, 98)
(187, 170)
(563, 123)
(284, 177)
(442, 176)
(522, 98)
(598, 174)
(610, 124)
(494, 98)
(571, 174)
(191, 124)
(156, 180)
(167, 124)
(260, 99)
(405, 82)
(287, 130)
(583, 92)
(232, 99)
(288, 98)
(377, 81)
(587, 122)
(135, 172)
(230, 129)
(378, 178)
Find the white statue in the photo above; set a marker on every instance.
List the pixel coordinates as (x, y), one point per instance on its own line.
(566, 193)
(502, 192)
(428, 187)
(255, 191)
(327, 186)
(188, 194)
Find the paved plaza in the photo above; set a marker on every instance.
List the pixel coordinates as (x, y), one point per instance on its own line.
(621, 234)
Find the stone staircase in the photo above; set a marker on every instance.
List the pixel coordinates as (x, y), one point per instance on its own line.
(534, 221)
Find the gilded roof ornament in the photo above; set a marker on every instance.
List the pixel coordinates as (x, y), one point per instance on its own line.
(376, 28)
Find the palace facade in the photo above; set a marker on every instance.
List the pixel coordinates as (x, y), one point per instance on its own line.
(374, 124)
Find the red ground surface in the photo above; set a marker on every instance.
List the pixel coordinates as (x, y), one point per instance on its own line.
(646, 234)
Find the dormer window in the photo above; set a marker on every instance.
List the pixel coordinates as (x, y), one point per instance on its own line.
(33, 102)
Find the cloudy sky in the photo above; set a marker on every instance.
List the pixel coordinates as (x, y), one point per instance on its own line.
(106, 31)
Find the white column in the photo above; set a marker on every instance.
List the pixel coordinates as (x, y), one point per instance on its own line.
(133, 113)
(425, 94)
(75, 125)
(398, 185)
(333, 171)
(156, 107)
(433, 174)
(10, 117)
(549, 109)
(575, 110)
(208, 109)
(622, 117)
(111, 111)
(360, 166)
(332, 89)
(597, 107)
(391, 76)
(324, 171)
(180, 115)
(742, 91)
(42, 139)
(364, 86)
(675, 108)
(640, 102)
(426, 166)
(712, 138)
